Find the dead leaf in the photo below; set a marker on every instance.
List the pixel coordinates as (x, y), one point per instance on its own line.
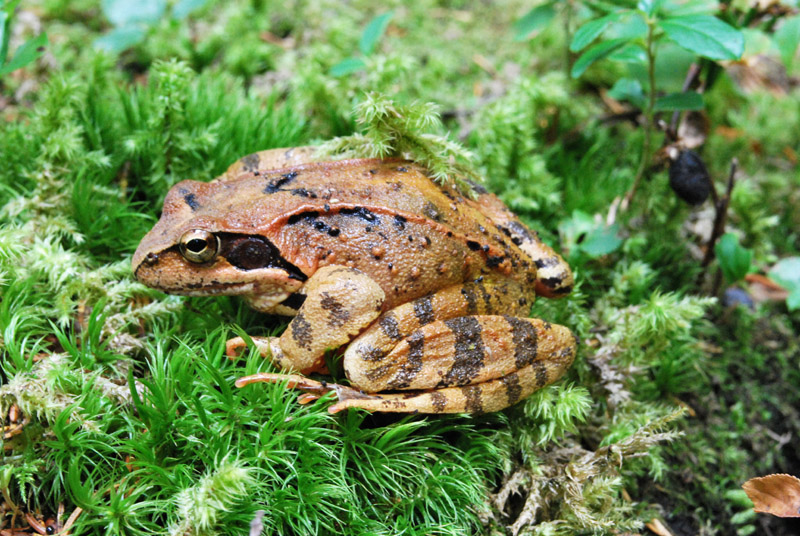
(657, 527)
(762, 289)
(778, 495)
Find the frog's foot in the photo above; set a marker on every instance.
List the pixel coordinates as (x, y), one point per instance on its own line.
(267, 346)
(311, 387)
(492, 395)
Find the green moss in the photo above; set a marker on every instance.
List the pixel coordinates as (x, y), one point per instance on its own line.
(126, 395)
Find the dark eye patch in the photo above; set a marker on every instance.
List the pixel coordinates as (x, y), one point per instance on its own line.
(253, 252)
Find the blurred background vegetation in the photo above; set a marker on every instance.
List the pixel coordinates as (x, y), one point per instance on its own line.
(654, 143)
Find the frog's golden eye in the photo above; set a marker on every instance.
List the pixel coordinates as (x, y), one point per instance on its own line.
(199, 246)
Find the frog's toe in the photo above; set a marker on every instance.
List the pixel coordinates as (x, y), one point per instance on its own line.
(267, 346)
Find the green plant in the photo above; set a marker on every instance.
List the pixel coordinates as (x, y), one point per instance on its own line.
(367, 44)
(133, 18)
(25, 53)
(634, 36)
(787, 273)
(734, 260)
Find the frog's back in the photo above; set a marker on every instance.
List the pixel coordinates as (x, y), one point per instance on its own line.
(383, 217)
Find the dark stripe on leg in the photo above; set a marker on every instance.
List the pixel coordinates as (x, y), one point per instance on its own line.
(524, 337)
(472, 395)
(513, 389)
(423, 309)
(389, 326)
(541, 373)
(413, 364)
(469, 351)
(438, 401)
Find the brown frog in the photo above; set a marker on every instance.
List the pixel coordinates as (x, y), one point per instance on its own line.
(426, 290)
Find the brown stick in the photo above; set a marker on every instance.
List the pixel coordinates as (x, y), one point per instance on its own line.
(720, 217)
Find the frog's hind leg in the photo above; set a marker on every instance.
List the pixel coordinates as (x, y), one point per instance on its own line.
(492, 395)
(553, 275)
(469, 351)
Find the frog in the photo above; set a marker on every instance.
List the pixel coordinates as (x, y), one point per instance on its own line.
(422, 289)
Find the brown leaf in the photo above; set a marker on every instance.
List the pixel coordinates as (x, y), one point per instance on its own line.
(762, 289)
(778, 495)
(658, 527)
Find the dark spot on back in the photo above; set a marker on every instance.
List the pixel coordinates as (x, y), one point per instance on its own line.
(493, 261)
(302, 192)
(546, 263)
(360, 212)
(250, 162)
(402, 169)
(474, 246)
(309, 215)
(274, 185)
(429, 210)
(400, 221)
(477, 188)
(191, 200)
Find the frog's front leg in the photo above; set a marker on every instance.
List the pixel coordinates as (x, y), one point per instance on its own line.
(340, 302)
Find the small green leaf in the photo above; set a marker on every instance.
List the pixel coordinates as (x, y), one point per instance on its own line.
(787, 38)
(734, 260)
(592, 30)
(120, 39)
(127, 12)
(628, 89)
(690, 100)
(373, 32)
(601, 241)
(648, 6)
(533, 21)
(793, 300)
(347, 66)
(184, 8)
(787, 273)
(705, 35)
(595, 53)
(582, 232)
(25, 54)
(3, 37)
(630, 53)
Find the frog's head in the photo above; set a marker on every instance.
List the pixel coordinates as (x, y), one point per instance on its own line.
(197, 249)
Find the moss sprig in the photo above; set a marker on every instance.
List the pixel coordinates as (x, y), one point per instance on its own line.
(394, 130)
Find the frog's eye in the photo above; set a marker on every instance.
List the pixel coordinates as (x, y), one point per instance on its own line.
(199, 246)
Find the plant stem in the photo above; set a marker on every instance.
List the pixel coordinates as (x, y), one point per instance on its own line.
(644, 160)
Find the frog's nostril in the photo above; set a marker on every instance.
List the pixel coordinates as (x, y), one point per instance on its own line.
(151, 259)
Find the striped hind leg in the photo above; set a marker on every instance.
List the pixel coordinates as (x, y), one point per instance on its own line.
(485, 397)
(467, 364)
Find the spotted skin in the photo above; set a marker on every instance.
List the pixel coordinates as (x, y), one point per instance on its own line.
(423, 290)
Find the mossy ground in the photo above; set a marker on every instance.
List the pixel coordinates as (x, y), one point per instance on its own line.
(119, 400)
